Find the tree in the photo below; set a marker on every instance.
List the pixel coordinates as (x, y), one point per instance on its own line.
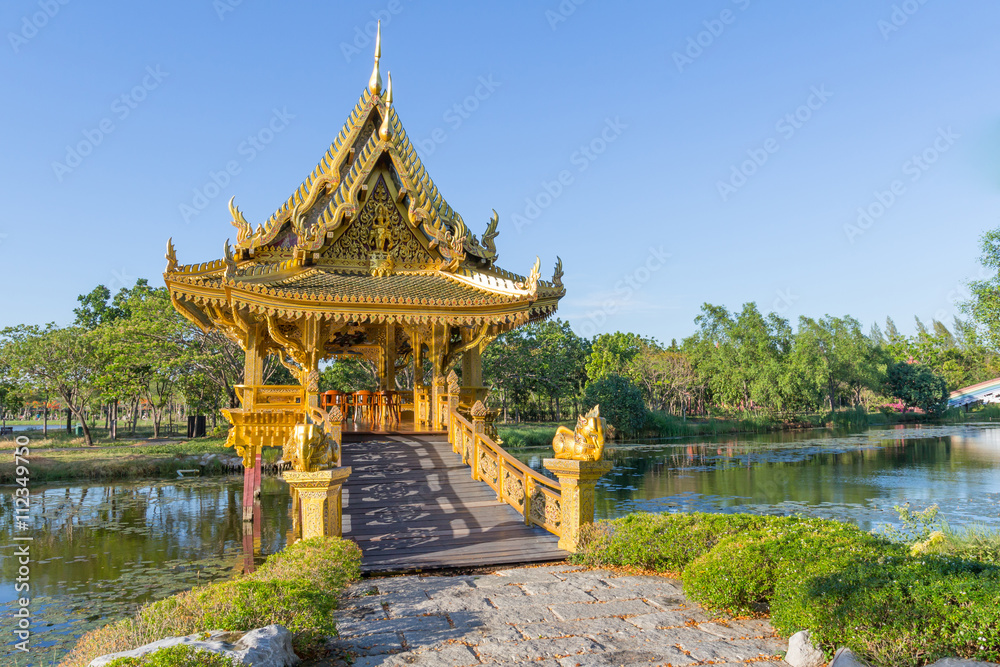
(611, 354)
(741, 359)
(666, 377)
(621, 403)
(348, 375)
(832, 356)
(917, 387)
(67, 361)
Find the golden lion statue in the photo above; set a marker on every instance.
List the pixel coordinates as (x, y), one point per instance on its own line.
(309, 448)
(586, 443)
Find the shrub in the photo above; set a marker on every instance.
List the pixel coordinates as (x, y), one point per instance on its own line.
(741, 574)
(621, 403)
(176, 656)
(661, 542)
(900, 611)
(297, 588)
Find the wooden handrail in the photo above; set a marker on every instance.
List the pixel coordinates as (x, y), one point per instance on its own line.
(535, 496)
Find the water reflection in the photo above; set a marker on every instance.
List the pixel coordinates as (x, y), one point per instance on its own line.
(850, 476)
(101, 550)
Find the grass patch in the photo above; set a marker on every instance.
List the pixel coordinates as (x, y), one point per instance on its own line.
(118, 461)
(176, 656)
(297, 588)
(520, 436)
(891, 602)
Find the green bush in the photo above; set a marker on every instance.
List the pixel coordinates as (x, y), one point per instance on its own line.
(297, 588)
(742, 574)
(621, 403)
(849, 587)
(176, 656)
(661, 542)
(900, 611)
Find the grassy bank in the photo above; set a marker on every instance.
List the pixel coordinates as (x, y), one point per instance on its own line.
(891, 602)
(297, 588)
(68, 459)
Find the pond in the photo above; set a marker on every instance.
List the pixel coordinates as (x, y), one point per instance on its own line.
(854, 477)
(101, 549)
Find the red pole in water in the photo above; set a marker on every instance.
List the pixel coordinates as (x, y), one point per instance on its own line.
(247, 494)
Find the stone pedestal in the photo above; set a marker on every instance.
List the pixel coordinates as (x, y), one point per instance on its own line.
(318, 495)
(577, 479)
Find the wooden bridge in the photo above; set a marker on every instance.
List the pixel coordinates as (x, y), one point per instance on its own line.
(411, 503)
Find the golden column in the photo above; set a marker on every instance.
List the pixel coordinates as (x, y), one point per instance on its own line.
(577, 480)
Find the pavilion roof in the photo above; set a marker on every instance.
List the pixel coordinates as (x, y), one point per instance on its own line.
(367, 232)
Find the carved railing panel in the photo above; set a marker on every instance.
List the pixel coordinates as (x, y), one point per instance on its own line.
(536, 497)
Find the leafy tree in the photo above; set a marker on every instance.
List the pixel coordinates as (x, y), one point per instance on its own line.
(612, 354)
(667, 378)
(66, 361)
(917, 386)
(741, 359)
(621, 403)
(348, 375)
(833, 356)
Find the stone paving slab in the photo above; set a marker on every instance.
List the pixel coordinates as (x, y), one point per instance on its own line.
(552, 616)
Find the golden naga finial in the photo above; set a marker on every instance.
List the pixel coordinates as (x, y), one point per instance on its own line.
(375, 82)
(383, 131)
(230, 262)
(558, 274)
(243, 228)
(586, 443)
(171, 256)
(492, 233)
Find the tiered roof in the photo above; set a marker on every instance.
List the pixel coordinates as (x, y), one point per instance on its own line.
(367, 234)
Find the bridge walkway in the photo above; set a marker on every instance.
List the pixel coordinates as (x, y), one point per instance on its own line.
(410, 504)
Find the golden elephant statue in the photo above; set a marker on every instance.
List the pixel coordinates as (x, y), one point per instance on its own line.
(309, 448)
(586, 443)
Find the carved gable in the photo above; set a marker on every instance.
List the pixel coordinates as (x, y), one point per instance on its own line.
(378, 227)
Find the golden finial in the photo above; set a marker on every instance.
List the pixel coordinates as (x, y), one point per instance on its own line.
(383, 132)
(375, 82)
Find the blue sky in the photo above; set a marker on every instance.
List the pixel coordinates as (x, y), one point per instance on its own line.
(672, 153)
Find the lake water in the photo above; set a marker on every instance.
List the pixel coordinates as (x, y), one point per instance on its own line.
(855, 477)
(101, 549)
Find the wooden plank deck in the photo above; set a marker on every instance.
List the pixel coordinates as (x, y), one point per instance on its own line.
(410, 504)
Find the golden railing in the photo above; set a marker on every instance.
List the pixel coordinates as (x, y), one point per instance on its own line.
(536, 497)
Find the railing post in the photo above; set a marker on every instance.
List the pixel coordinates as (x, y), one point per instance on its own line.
(479, 413)
(452, 398)
(577, 480)
(336, 418)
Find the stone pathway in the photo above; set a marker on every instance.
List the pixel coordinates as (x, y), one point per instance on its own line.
(548, 616)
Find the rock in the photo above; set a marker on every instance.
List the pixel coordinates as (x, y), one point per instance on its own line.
(961, 662)
(264, 647)
(845, 658)
(802, 653)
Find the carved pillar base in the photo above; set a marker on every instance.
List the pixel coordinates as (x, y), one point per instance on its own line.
(319, 505)
(577, 479)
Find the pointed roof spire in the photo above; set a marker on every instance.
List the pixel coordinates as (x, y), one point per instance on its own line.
(383, 132)
(375, 82)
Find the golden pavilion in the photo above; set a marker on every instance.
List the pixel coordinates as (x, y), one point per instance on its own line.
(365, 259)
